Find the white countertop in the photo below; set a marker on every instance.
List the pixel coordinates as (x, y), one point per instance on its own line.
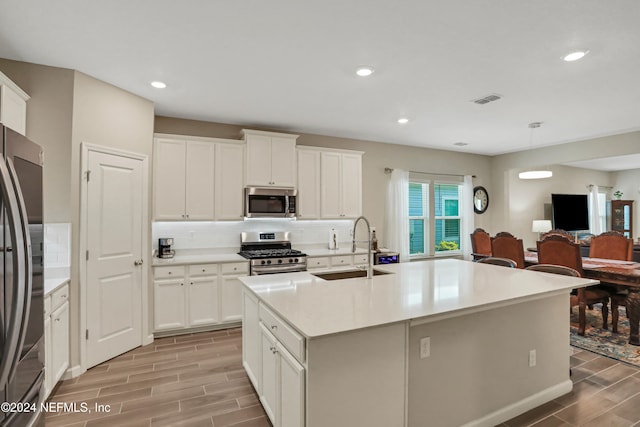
(200, 256)
(416, 290)
(54, 277)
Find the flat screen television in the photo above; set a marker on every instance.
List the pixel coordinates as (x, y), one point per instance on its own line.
(570, 212)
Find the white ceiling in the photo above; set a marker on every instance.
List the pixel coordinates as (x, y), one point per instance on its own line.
(290, 64)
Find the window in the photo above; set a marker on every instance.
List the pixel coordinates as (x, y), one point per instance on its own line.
(434, 210)
(602, 210)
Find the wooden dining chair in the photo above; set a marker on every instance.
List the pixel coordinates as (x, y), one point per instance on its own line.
(504, 262)
(480, 244)
(613, 245)
(506, 245)
(557, 250)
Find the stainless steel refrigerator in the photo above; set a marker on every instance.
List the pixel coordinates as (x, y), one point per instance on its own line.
(21, 268)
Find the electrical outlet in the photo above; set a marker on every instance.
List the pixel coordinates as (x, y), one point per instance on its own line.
(425, 347)
(532, 358)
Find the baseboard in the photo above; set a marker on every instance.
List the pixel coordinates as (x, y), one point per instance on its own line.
(72, 372)
(148, 339)
(522, 406)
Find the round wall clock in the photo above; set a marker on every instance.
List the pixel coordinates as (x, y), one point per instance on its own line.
(480, 199)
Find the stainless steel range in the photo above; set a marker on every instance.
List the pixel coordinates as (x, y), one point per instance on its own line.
(271, 253)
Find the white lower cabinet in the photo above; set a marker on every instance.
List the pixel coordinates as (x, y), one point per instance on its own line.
(56, 336)
(197, 295)
(282, 382)
(336, 261)
(251, 339)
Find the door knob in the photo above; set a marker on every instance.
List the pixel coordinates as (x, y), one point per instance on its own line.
(137, 262)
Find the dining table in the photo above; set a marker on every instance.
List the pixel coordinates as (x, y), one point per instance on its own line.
(624, 275)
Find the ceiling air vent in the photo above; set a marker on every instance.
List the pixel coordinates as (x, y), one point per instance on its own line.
(487, 99)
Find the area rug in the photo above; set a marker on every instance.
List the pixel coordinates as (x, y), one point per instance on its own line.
(605, 342)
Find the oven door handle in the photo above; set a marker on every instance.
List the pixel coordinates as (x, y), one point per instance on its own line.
(293, 268)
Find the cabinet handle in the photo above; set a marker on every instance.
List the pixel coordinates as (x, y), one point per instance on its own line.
(274, 327)
(274, 350)
(191, 283)
(64, 296)
(57, 319)
(181, 284)
(203, 270)
(170, 273)
(137, 262)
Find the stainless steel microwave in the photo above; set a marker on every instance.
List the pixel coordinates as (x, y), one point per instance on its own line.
(261, 202)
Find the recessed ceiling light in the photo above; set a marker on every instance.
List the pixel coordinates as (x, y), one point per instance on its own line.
(364, 71)
(574, 56)
(403, 120)
(158, 85)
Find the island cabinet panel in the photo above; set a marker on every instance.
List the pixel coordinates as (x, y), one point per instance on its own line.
(251, 339)
(490, 349)
(357, 378)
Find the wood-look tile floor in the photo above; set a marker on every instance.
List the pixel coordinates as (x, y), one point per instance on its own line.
(188, 380)
(198, 380)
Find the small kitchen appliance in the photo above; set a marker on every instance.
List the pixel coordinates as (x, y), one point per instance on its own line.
(270, 253)
(164, 247)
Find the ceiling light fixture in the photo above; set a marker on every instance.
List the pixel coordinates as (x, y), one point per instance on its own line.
(403, 120)
(158, 85)
(534, 174)
(574, 56)
(364, 71)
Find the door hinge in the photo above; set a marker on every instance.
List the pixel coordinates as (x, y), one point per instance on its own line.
(88, 175)
(87, 255)
(86, 334)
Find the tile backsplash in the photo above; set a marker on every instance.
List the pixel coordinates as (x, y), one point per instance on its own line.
(226, 234)
(57, 245)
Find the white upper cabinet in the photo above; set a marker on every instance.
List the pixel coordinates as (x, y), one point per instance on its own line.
(13, 105)
(229, 181)
(308, 202)
(169, 179)
(340, 184)
(183, 180)
(271, 159)
(197, 180)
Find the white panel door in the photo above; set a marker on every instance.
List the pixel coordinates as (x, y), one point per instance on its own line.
(114, 242)
(283, 162)
(270, 377)
(200, 161)
(291, 390)
(231, 302)
(258, 160)
(308, 202)
(169, 179)
(351, 185)
(169, 304)
(330, 206)
(203, 301)
(229, 182)
(251, 341)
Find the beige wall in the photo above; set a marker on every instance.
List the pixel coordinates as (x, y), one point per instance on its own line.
(110, 117)
(49, 116)
(502, 217)
(377, 156)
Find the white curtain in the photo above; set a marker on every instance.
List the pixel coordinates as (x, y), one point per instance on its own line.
(594, 211)
(397, 227)
(466, 210)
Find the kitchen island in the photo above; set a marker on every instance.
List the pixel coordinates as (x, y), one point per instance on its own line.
(438, 343)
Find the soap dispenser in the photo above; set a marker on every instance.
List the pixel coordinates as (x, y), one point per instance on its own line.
(374, 240)
(333, 239)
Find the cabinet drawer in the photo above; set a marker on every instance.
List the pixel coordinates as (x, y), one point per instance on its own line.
(203, 270)
(360, 259)
(59, 296)
(168, 272)
(341, 260)
(319, 262)
(235, 268)
(293, 341)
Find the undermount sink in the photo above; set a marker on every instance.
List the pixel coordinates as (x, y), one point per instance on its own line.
(347, 274)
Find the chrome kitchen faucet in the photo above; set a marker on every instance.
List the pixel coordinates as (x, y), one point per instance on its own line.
(353, 244)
